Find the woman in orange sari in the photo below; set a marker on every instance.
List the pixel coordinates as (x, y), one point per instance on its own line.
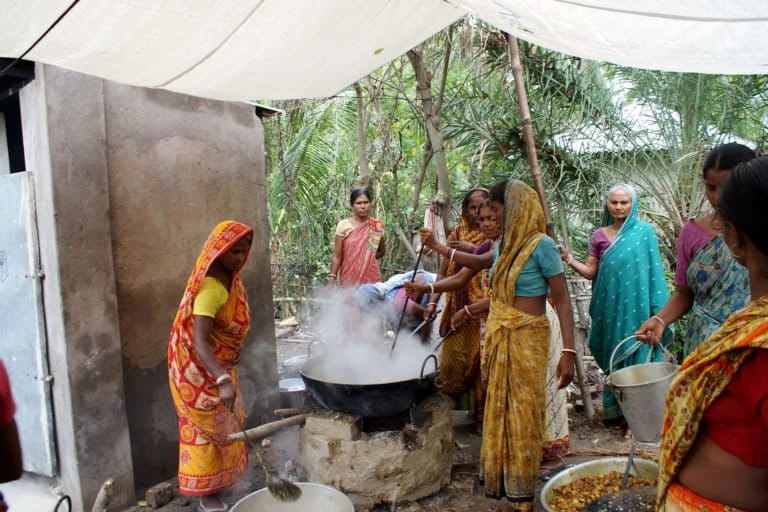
(358, 245)
(714, 450)
(460, 357)
(208, 332)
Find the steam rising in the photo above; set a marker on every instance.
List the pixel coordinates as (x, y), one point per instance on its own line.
(354, 347)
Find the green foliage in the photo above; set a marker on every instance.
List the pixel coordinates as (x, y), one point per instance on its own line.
(595, 125)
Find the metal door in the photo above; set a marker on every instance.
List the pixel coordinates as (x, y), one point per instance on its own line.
(22, 325)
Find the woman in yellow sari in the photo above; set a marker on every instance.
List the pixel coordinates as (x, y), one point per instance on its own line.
(208, 332)
(714, 450)
(517, 345)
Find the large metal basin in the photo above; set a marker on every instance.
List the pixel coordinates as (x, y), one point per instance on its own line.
(640, 467)
(314, 498)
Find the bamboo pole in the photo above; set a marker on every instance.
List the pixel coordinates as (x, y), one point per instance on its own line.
(538, 184)
(268, 428)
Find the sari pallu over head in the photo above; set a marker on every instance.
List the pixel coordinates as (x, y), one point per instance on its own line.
(359, 264)
(629, 288)
(195, 395)
(515, 361)
(704, 375)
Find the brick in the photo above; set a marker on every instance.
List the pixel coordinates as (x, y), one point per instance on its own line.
(158, 495)
(342, 427)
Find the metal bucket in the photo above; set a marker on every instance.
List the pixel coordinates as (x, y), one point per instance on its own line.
(314, 498)
(291, 393)
(640, 467)
(641, 391)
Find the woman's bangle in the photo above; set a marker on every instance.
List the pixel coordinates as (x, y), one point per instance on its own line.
(332, 275)
(432, 304)
(223, 378)
(452, 253)
(431, 288)
(568, 350)
(466, 310)
(661, 320)
(570, 260)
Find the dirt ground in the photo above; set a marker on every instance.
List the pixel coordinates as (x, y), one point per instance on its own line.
(462, 494)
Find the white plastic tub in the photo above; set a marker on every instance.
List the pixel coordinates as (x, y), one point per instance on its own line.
(314, 498)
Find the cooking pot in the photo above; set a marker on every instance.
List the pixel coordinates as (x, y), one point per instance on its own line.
(336, 391)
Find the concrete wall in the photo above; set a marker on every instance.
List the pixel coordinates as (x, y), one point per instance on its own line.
(177, 166)
(129, 182)
(64, 134)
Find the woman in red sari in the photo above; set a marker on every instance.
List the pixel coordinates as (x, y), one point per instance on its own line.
(208, 332)
(358, 245)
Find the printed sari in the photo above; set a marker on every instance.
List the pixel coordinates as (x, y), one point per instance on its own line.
(361, 243)
(514, 361)
(629, 287)
(701, 379)
(556, 435)
(208, 461)
(460, 355)
(720, 286)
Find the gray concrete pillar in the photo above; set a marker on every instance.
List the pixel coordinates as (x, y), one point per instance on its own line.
(64, 133)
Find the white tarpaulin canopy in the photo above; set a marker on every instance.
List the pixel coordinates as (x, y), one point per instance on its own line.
(242, 50)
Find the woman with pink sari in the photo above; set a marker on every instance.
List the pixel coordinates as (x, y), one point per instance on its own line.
(359, 244)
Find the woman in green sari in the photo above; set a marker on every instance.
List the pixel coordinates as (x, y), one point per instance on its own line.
(625, 264)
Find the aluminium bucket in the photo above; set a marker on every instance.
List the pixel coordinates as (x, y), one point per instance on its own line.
(641, 391)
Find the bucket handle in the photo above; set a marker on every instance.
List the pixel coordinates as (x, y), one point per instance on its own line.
(424, 364)
(665, 352)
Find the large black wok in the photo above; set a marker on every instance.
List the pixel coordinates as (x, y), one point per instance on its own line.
(378, 400)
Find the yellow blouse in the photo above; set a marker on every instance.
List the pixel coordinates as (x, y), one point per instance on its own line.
(211, 296)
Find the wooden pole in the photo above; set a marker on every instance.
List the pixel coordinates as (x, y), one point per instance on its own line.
(268, 428)
(538, 184)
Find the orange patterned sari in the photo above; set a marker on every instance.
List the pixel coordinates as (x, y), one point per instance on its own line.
(208, 461)
(460, 356)
(359, 264)
(701, 379)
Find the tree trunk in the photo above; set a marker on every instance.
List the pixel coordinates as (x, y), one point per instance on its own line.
(363, 169)
(432, 121)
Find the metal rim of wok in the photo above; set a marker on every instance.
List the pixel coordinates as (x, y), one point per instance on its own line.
(377, 400)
